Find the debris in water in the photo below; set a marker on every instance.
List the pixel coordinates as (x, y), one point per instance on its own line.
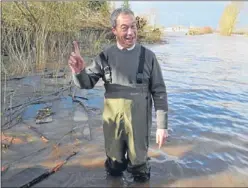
(48, 173)
(44, 115)
(84, 98)
(43, 138)
(54, 75)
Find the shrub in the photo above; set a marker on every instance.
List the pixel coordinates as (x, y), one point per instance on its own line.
(200, 31)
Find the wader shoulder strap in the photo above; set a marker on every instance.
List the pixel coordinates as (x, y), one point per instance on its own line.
(139, 76)
(106, 68)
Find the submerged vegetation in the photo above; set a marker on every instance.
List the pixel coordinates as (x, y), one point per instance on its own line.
(36, 33)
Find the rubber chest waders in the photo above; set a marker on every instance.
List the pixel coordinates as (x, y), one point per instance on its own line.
(127, 121)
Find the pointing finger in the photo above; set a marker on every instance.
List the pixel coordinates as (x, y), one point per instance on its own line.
(76, 48)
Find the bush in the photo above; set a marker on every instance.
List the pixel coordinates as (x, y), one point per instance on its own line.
(200, 31)
(147, 33)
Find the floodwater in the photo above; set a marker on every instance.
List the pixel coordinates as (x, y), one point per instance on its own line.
(207, 85)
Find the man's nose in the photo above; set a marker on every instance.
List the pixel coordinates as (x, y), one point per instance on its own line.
(129, 31)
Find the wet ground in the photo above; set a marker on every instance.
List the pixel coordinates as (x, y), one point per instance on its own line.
(207, 84)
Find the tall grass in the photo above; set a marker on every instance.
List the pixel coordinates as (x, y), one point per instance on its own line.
(38, 33)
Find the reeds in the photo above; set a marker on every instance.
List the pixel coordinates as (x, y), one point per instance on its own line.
(39, 33)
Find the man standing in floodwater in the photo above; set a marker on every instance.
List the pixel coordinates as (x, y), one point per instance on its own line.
(132, 78)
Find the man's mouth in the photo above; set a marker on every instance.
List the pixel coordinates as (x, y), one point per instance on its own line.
(129, 39)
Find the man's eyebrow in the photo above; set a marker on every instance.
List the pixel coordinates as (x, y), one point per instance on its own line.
(127, 25)
(124, 25)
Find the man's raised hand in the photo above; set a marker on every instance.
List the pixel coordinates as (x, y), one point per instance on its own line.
(76, 62)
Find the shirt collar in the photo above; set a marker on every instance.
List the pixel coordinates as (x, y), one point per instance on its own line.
(121, 48)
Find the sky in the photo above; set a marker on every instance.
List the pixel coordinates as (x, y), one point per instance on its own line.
(187, 13)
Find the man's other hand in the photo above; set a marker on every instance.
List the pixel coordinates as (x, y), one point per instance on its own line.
(161, 136)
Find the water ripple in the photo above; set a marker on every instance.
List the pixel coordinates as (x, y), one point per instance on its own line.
(207, 85)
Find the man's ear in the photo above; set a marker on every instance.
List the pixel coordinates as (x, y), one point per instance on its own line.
(114, 30)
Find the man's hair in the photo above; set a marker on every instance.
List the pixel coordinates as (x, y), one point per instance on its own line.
(117, 12)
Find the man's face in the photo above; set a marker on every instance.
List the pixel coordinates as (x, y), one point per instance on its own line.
(125, 30)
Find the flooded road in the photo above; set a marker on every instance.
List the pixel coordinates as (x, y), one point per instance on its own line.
(207, 85)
